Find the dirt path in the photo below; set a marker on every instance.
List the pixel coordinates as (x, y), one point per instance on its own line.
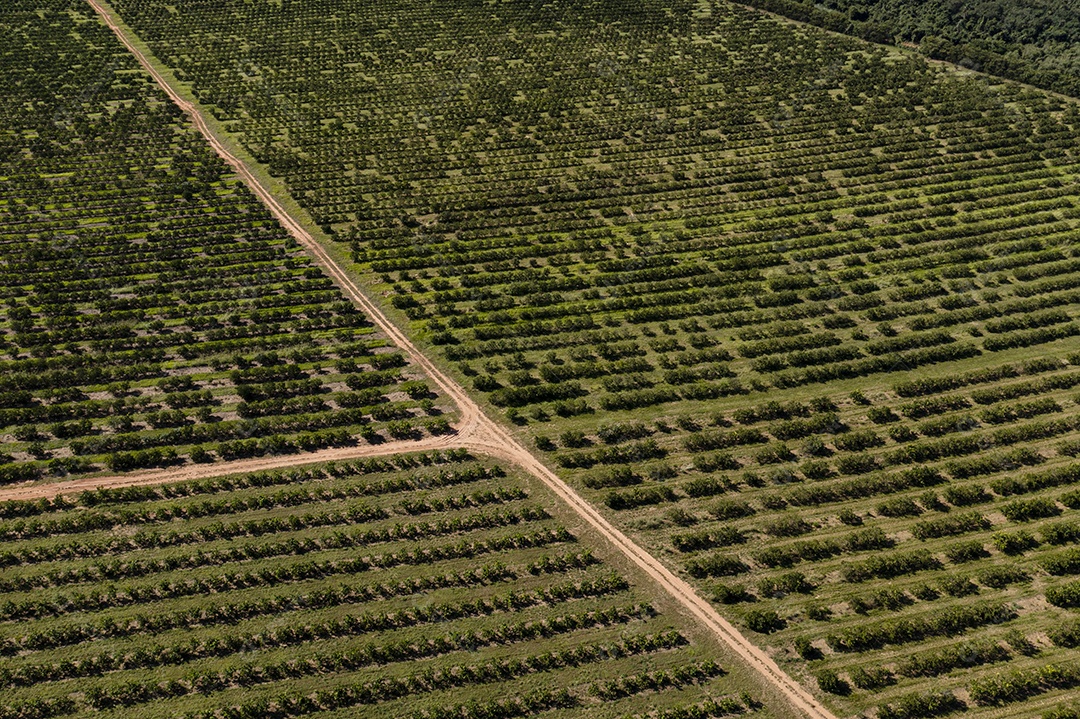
(475, 432)
(218, 469)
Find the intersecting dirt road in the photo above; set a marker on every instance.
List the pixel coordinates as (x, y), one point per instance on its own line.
(475, 431)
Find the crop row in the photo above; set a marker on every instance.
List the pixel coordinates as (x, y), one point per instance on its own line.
(108, 346)
(509, 578)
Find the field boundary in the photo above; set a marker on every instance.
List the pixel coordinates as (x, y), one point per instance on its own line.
(475, 430)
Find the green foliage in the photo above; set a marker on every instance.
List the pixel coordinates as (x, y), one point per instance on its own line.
(1014, 543)
(950, 525)
(1020, 684)
(1025, 510)
(917, 705)
(1065, 634)
(1064, 595)
(1029, 42)
(944, 660)
(731, 594)
(715, 565)
(942, 622)
(829, 682)
(484, 569)
(763, 621)
(871, 678)
(632, 499)
(787, 525)
(707, 539)
(590, 219)
(1000, 577)
(784, 584)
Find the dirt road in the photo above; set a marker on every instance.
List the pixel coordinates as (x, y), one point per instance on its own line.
(475, 431)
(218, 469)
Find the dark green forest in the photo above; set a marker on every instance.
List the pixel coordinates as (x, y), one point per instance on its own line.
(1034, 41)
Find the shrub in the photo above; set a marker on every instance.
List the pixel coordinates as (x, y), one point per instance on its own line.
(787, 525)
(1035, 481)
(636, 398)
(867, 539)
(199, 455)
(731, 594)
(831, 683)
(1061, 533)
(1000, 577)
(731, 509)
(763, 621)
(715, 461)
(719, 439)
(858, 441)
(1062, 713)
(639, 497)
(811, 550)
(902, 433)
(849, 517)
(965, 552)
(815, 447)
(522, 396)
(949, 621)
(575, 439)
(945, 659)
(882, 415)
(774, 454)
(889, 598)
(27, 433)
(715, 565)
(1013, 543)
(1064, 595)
(622, 431)
(965, 495)
(784, 584)
(571, 408)
(899, 507)
(1020, 684)
(950, 525)
(1025, 510)
(1065, 634)
(805, 649)
(930, 406)
(706, 486)
(871, 678)
(816, 469)
(139, 459)
(1066, 562)
(69, 430)
(681, 517)
(617, 477)
(921, 706)
(718, 537)
(958, 586)
(887, 566)
(860, 463)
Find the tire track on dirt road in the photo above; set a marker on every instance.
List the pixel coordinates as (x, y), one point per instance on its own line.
(475, 431)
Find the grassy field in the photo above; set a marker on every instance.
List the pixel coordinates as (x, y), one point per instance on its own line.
(430, 585)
